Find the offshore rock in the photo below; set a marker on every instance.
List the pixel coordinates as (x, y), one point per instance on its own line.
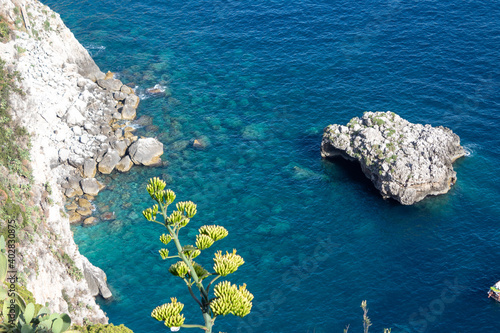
(405, 161)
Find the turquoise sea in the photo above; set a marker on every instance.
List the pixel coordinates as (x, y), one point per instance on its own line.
(258, 81)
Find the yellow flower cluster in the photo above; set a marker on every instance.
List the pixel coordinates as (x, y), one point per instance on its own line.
(169, 313)
(203, 242)
(150, 213)
(163, 253)
(179, 269)
(187, 207)
(165, 239)
(156, 189)
(227, 263)
(215, 232)
(231, 300)
(190, 251)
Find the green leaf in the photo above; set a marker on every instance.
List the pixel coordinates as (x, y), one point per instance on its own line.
(3, 293)
(3, 267)
(27, 329)
(53, 317)
(66, 322)
(43, 311)
(29, 312)
(5, 309)
(47, 324)
(2, 243)
(57, 326)
(20, 302)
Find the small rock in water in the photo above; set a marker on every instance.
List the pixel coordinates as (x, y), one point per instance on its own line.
(125, 164)
(89, 220)
(108, 216)
(158, 90)
(84, 203)
(84, 211)
(179, 145)
(199, 144)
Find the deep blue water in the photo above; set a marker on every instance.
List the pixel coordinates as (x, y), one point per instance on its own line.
(259, 81)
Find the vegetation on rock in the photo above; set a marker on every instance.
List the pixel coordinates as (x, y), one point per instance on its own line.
(102, 328)
(18, 315)
(4, 30)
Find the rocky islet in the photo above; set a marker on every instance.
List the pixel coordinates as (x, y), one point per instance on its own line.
(405, 161)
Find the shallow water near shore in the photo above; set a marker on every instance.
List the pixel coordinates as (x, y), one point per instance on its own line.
(258, 82)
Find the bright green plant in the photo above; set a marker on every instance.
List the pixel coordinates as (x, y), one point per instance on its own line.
(228, 298)
(13, 138)
(4, 31)
(19, 317)
(102, 328)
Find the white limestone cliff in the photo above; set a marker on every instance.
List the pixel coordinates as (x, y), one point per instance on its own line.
(68, 116)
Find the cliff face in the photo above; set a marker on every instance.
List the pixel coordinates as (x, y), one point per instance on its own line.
(64, 111)
(405, 161)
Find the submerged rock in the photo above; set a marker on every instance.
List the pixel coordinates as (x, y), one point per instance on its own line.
(405, 161)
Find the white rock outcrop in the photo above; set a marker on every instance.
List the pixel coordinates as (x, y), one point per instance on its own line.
(405, 161)
(71, 120)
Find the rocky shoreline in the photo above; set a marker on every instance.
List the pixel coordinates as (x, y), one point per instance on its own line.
(80, 122)
(405, 161)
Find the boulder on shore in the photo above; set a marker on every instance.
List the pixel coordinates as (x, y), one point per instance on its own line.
(146, 151)
(405, 161)
(125, 164)
(91, 186)
(109, 162)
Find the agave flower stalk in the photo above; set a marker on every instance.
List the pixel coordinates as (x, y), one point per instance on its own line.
(227, 298)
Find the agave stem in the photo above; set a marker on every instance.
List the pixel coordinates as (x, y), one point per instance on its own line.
(208, 287)
(195, 326)
(158, 222)
(192, 295)
(204, 304)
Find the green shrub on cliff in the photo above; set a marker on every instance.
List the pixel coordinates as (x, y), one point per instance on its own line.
(14, 139)
(15, 175)
(101, 328)
(4, 31)
(227, 298)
